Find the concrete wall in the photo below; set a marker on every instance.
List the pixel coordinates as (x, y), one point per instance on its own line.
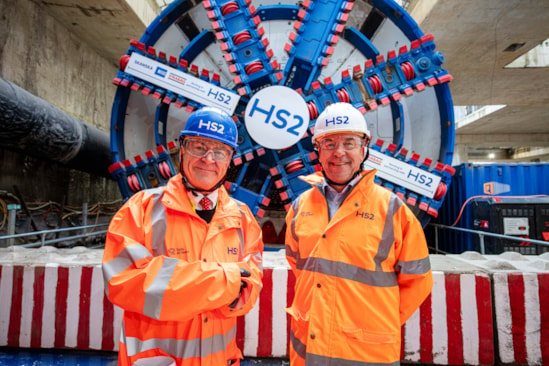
(38, 54)
(42, 57)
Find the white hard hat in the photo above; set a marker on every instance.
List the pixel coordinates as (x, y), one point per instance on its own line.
(340, 117)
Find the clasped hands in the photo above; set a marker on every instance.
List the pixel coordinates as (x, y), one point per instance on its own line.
(243, 285)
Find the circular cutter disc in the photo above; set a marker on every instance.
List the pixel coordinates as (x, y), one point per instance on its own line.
(274, 66)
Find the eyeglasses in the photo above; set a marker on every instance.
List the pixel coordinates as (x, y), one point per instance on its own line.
(200, 149)
(348, 142)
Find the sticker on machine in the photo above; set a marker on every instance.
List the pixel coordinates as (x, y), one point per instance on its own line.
(403, 174)
(277, 117)
(516, 226)
(181, 83)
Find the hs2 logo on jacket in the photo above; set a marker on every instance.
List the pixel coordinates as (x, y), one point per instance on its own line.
(366, 215)
(233, 251)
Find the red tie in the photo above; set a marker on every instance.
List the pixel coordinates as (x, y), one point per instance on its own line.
(206, 203)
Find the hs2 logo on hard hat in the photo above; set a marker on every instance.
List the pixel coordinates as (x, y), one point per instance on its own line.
(339, 120)
(212, 126)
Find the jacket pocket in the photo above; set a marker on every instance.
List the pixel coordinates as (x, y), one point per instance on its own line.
(367, 336)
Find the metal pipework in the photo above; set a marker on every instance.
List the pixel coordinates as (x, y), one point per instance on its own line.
(32, 126)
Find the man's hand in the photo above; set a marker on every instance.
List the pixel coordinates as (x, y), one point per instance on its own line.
(243, 285)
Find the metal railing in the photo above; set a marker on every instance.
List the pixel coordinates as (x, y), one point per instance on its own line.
(481, 235)
(83, 232)
(8, 240)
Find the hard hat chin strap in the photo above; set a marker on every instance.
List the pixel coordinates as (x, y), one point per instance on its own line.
(366, 155)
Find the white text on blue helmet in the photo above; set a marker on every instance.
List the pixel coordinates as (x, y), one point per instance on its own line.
(212, 126)
(339, 120)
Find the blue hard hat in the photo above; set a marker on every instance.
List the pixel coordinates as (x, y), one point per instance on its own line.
(211, 123)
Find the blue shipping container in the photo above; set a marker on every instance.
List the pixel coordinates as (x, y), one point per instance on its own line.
(483, 180)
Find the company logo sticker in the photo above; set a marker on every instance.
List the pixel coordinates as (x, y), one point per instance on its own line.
(277, 117)
(177, 79)
(161, 72)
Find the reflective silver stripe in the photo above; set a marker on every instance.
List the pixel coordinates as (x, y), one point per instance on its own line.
(158, 223)
(295, 206)
(388, 236)
(299, 347)
(348, 271)
(316, 360)
(419, 266)
(154, 295)
(256, 255)
(123, 332)
(125, 259)
(240, 231)
(258, 259)
(182, 348)
(291, 253)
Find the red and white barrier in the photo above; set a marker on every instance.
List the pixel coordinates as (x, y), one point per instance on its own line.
(454, 325)
(265, 331)
(524, 335)
(53, 306)
(60, 305)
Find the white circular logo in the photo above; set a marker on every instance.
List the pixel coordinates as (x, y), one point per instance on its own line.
(277, 117)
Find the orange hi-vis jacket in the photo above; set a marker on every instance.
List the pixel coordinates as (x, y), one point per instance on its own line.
(174, 276)
(359, 276)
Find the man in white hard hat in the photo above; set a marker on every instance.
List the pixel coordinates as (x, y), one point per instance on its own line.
(358, 253)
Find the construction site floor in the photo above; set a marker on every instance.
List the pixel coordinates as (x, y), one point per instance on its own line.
(41, 357)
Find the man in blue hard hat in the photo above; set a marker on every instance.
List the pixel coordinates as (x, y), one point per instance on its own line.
(208, 142)
(184, 260)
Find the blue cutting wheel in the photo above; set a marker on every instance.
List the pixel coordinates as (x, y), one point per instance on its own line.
(275, 66)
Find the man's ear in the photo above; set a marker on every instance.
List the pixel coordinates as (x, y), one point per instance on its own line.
(366, 148)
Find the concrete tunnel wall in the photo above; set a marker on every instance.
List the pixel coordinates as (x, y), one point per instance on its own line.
(482, 310)
(41, 56)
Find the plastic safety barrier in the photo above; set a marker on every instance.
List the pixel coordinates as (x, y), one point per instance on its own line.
(481, 309)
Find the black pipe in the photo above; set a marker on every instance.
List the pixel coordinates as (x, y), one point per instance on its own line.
(32, 126)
